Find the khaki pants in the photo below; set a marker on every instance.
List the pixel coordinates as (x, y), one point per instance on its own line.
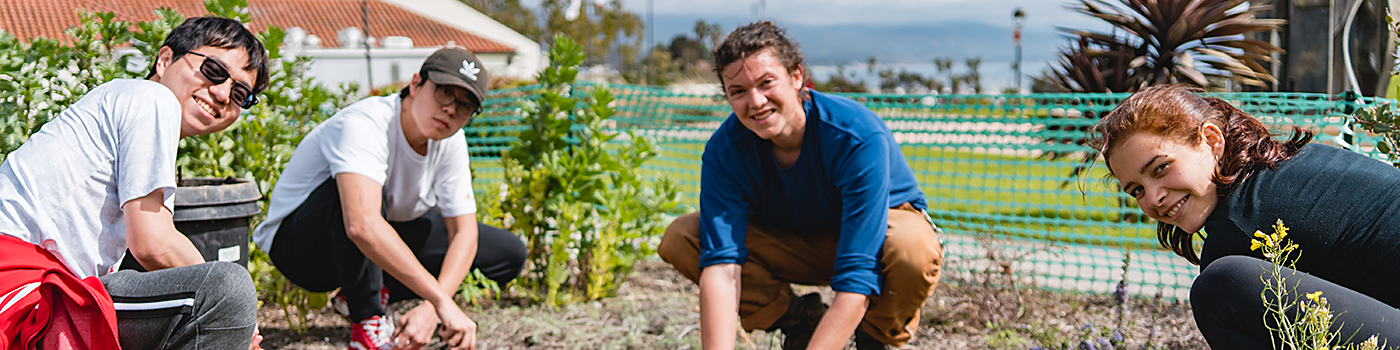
(911, 262)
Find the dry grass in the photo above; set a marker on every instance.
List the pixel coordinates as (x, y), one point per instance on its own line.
(657, 309)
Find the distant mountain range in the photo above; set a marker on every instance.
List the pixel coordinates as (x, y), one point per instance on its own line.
(895, 43)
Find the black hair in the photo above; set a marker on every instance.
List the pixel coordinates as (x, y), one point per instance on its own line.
(422, 77)
(223, 33)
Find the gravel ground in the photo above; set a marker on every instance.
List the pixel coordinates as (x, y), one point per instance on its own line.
(658, 309)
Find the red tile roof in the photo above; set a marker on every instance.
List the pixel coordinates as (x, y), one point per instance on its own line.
(26, 19)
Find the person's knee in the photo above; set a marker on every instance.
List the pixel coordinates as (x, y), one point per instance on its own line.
(1225, 279)
(676, 244)
(913, 253)
(230, 288)
(514, 260)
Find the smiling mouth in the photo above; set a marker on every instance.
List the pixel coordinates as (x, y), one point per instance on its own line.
(1175, 209)
(206, 107)
(764, 116)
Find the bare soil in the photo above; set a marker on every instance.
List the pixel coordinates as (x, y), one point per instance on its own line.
(658, 309)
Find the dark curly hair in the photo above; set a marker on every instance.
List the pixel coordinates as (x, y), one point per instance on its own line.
(755, 37)
(1178, 112)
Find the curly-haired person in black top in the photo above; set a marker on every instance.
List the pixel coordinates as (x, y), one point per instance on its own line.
(1195, 162)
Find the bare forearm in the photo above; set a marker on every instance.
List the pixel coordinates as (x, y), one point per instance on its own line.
(360, 197)
(462, 236)
(151, 235)
(840, 321)
(719, 306)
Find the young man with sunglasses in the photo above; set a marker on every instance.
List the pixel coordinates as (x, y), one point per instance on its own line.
(99, 179)
(377, 201)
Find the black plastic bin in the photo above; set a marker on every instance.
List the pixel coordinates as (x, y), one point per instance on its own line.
(215, 214)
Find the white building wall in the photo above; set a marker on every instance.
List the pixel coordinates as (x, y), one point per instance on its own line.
(333, 67)
(528, 59)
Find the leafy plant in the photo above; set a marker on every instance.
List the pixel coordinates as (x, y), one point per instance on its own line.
(40, 78)
(476, 288)
(1309, 325)
(1092, 66)
(574, 188)
(1164, 42)
(1383, 119)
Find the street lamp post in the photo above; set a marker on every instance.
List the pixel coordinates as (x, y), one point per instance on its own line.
(1020, 17)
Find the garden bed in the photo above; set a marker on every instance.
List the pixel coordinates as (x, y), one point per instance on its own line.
(658, 309)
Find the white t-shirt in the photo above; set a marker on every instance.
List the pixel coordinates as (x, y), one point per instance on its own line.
(366, 139)
(64, 188)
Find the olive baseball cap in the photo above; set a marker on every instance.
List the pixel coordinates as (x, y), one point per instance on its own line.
(458, 67)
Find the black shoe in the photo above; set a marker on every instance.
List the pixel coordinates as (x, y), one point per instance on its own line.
(801, 321)
(865, 341)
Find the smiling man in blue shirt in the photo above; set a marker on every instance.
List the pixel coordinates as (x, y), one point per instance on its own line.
(802, 187)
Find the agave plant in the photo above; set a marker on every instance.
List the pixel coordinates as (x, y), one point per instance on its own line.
(1167, 41)
(1094, 65)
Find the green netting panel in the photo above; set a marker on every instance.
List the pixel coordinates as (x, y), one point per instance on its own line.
(999, 172)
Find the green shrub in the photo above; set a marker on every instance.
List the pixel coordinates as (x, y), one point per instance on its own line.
(574, 189)
(40, 78)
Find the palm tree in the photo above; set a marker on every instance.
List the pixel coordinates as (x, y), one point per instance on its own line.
(1168, 41)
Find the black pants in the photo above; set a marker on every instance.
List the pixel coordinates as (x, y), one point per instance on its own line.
(313, 251)
(1230, 313)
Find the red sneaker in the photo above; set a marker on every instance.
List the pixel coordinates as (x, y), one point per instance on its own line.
(342, 308)
(374, 333)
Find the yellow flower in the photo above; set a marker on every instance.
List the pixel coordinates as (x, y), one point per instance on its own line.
(1254, 244)
(1280, 230)
(1260, 234)
(1314, 295)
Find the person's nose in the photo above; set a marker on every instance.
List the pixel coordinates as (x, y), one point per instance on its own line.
(757, 99)
(1155, 195)
(220, 92)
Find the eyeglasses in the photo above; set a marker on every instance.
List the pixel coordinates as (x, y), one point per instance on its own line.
(217, 73)
(448, 95)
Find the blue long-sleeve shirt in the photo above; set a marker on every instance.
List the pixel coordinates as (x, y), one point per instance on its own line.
(849, 173)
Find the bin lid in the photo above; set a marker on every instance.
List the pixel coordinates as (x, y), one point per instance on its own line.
(216, 212)
(202, 191)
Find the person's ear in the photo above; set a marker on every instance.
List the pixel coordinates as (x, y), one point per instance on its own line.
(415, 84)
(1214, 138)
(797, 77)
(164, 57)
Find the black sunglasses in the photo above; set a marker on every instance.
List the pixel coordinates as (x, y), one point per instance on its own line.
(448, 94)
(216, 73)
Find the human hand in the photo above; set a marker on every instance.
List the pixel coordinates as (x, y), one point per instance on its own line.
(415, 328)
(458, 331)
(256, 344)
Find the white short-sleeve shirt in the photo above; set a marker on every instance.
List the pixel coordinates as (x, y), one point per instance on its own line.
(367, 139)
(64, 188)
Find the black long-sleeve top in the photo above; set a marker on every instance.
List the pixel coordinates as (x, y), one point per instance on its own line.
(1341, 208)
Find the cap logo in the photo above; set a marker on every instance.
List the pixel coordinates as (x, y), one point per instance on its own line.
(469, 69)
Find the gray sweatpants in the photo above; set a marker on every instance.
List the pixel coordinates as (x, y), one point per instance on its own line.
(206, 306)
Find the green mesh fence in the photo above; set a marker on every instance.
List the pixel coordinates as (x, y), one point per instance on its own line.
(1004, 175)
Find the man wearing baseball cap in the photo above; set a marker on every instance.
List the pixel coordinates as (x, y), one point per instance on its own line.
(377, 201)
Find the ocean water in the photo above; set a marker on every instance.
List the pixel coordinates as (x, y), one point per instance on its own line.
(996, 75)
